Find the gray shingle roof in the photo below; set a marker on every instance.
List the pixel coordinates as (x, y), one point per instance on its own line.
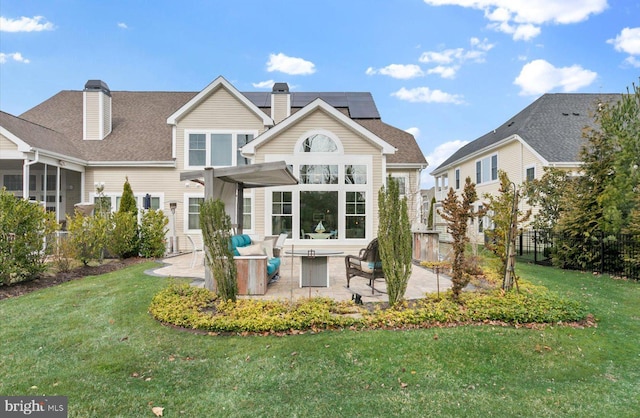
(140, 131)
(552, 126)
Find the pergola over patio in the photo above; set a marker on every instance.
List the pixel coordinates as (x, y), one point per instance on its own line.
(228, 183)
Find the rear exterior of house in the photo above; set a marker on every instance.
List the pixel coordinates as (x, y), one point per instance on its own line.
(66, 148)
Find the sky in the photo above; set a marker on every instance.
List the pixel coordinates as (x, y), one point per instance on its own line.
(448, 71)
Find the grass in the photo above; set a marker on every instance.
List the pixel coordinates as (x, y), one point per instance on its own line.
(93, 341)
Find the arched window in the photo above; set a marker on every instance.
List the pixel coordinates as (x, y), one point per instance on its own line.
(318, 143)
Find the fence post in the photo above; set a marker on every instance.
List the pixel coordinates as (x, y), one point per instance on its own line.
(535, 246)
(601, 252)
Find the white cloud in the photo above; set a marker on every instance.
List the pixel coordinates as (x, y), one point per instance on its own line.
(290, 65)
(16, 56)
(449, 61)
(264, 84)
(400, 71)
(414, 131)
(25, 24)
(437, 157)
(444, 71)
(539, 76)
(122, 25)
(426, 95)
(628, 41)
(522, 18)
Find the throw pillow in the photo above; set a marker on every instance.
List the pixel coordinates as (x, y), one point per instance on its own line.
(256, 249)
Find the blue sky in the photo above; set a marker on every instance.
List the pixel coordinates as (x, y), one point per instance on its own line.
(446, 70)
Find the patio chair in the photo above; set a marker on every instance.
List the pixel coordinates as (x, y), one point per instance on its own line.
(367, 265)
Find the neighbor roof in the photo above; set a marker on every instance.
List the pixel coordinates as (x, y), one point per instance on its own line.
(552, 126)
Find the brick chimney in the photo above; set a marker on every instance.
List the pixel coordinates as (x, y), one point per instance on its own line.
(280, 102)
(96, 110)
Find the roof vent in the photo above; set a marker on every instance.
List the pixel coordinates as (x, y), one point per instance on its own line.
(97, 85)
(280, 88)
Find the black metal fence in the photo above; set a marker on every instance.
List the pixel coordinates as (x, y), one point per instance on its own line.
(618, 254)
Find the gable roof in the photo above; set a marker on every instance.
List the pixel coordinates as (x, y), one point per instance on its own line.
(140, 132)
(552, 126)
(216, 84)
(27, 136)
(328, 109)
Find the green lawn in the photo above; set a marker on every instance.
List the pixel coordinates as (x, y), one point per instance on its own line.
(93, 341)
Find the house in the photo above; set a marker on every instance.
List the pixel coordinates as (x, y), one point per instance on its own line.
(547, 133)
(82, 144)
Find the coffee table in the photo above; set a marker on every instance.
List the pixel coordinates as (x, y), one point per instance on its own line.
(314, 270)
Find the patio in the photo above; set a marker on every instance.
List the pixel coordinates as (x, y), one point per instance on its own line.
(422, 280)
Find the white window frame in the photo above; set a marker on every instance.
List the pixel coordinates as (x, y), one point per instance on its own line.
(208, 132)
(185, 213)
(457, 178)
(481, 161)
(406, 183)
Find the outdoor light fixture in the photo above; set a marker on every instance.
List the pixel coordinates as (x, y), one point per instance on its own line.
(173, 206)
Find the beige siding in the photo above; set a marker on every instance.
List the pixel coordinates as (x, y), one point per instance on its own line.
(106, 115)
(92, 115)
(352, 142)
(412, 190)
(6, 145)
(280, 107)
(221, 110)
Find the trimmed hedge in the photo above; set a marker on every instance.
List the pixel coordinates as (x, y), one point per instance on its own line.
(197, 308)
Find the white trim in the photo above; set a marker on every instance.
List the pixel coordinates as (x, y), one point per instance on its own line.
(250, 149)
(489, 149)
(208, 132)
(185, 212)
(157, 164)
(457, 171)
(325, 132)
(22, 146)
(475, 170)
(174, 142)
(526, 167)
(406, 166)
(219, 82)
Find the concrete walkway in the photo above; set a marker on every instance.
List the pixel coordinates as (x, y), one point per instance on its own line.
(422, 280)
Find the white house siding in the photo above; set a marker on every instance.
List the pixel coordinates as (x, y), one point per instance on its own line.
(7, 146)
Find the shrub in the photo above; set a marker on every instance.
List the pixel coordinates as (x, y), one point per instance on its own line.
(88, 236)
(122, 236)
(23, 228)
(152, 233)
(197, 308)
(63, 254)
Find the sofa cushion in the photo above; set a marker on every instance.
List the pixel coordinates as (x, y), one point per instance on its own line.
(272, 265)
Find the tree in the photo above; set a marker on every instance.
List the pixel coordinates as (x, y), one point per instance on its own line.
(506, 216)
(153, 230)
(456, 214)
(124, 239)
(546, 194)
(394, 240)
(432, 207)
(216, 226)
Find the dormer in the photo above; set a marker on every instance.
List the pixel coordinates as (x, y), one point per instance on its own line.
(96, 110)
(280, 102)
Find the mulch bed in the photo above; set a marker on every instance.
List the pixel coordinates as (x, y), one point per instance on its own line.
(49, 279)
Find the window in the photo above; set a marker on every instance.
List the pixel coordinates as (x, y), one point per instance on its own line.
(530, 173)
(318, 143)
(487, 169)
(318, 213)
(402, 184)
(355, 214)
(480, 221)
(193, 212)
(197, 149)
(221, 146)
(319, 174)
(457, 179)
(355, 174)
(281, 214)
(246, 213)
(216, 148)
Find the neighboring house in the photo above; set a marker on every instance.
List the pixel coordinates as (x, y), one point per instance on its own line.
(64, 149)
(547, 133)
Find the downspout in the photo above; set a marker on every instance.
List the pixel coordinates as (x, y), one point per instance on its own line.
(25, 175)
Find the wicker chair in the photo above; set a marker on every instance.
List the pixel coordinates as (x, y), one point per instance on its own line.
(367, 265)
